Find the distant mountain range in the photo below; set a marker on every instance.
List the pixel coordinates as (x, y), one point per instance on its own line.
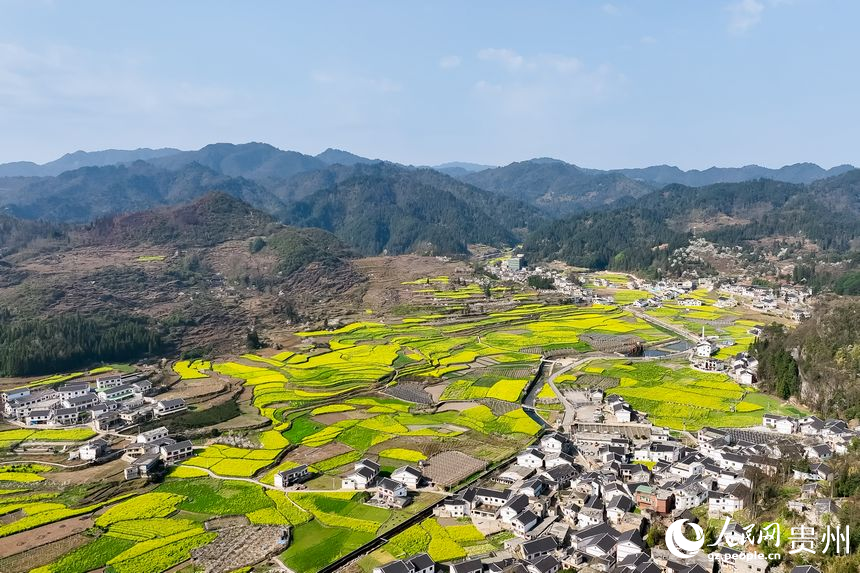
(78, 159)
(797, 173)
(256, 160)
(378, 206)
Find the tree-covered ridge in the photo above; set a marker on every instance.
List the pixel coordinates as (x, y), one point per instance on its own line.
(638, 234)
(777, 370)
(382, 208)
(819, 361)
(17, 233)
(209, 220)
(296, 248)
(557, 187)
(66, 342)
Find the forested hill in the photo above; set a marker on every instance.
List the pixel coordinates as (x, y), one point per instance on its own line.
(17, 233)
(819, 361)
(641, 233)
(256, 161)
(387, 208)
(91, 192)
(557, 187)
(211, 219)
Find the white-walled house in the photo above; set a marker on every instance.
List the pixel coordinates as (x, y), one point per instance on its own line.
(408, 476)
(363, 475)
(290, 476)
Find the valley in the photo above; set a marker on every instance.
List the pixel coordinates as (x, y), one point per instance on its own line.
(435, 366)
(265, 361)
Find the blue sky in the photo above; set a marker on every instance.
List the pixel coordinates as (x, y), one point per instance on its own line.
(599, 84)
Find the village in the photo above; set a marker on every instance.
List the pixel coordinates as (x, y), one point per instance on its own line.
(585, 497)
(111, 405)
(790, 301)
(593, 491)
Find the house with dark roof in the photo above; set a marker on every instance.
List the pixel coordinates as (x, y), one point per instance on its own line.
(733, 498)
(515, 506)
(547, 564)
(291, 476)
(421, 563)
(537, 548)
(362, 476)
(176, 452)
(629, 543)
(524, 522)
(408, 476)
(469, 566)
(167, 407)
(531, 458)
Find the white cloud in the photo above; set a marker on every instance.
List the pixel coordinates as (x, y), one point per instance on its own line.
(545, 85)
(504, 56)
(744, 14)
(561, 64)
(648, 40)
(449, 62)
(610, 9)
(513, 61)
(58, 78)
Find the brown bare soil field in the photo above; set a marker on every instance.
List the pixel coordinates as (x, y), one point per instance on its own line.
(448, 468)
(90, 474)
(385, 288)
(190, 389)
(306, 455)
(25, 540)
(43, 554)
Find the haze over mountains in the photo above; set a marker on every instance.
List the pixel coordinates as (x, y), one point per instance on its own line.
(377, 206)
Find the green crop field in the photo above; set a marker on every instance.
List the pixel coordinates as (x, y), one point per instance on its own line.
(341, 395)
(681, 398)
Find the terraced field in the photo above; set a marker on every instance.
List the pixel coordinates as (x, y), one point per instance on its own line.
(330, 403)
(730, 326)
(681, 398)
(447, 542)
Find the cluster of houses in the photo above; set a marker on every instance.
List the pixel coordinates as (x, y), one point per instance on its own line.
(391, 492)
(794, 298)
(112, 402)
(742, 367)
(668, 291)
(148, 452)
(821, 439)
(515, 270)
(585, 499)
